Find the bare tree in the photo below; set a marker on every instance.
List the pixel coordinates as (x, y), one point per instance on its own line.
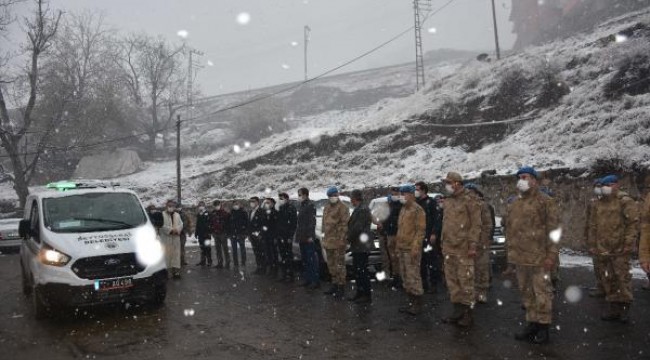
(6, 16)
(151, 71)
(40, 29)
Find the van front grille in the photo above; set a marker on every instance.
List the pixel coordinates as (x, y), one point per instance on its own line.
(108, 266)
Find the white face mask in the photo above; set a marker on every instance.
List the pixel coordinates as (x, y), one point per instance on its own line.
(201, 208)
(267, 206)
(523, 185)
(418, 194)
(282, 202)
(253, 205)
(607, 190)
(598, 191)
(449, 189)
(170, 209)
(302, 197)
(235, 207)
(402, 199)
(334, 200)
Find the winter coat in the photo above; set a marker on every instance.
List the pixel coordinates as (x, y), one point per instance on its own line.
(306, 222)
(335, 225)
(156, 219)
(170, 221)
(530, 219)
(219, 222)
(461, 225)
(411, 227)
(287, 221)
(269, 224)
(389, 226)
(255, 222)
(487, 223)
(360, 237)
(430, 207)
(202, 229)
(238, 224)
(644, 244)
(187, 223)
(614, 224)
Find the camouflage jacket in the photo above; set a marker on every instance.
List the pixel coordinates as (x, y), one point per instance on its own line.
(411, 227)
(644, 244)
(531, 220)
(335, 225)
(614, 225)
(461, 224)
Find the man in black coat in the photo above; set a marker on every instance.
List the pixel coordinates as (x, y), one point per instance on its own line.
(430, 265)
(286, 227)
(361, 243)
(387, 230)
(203, 234)
(237, 230)
(269, 237)
(305, 236)
(255, 225)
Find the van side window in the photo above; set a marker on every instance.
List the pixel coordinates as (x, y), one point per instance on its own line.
(34, 221)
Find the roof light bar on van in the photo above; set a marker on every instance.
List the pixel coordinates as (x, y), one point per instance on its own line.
(62, 185)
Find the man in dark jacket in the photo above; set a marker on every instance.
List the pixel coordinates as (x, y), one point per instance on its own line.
(203, 234)
(305, 235)
(287, 218)
(387, 233)
(361, 243)
(269, 237)
(430, 268)
(219, 220)
(238, 231)
(255, 224)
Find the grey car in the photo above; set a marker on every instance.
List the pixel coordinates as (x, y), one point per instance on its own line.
(9, 238)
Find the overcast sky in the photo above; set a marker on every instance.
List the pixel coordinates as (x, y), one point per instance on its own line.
(260, 52)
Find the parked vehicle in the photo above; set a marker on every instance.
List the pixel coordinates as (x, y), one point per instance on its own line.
(9, 238)
(87, 244)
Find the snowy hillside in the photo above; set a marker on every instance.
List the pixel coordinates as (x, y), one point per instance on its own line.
(584, 120)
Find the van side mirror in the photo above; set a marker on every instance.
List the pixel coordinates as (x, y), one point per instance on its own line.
(23, 228)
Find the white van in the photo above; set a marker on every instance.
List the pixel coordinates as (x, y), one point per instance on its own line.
(87, 244)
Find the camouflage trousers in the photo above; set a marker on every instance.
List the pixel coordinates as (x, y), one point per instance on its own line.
(482, 270)
(389, 255)
(598, 265)
(336, 265)
(410, 272)
(536, 293)
(459, 276)
(616, 278)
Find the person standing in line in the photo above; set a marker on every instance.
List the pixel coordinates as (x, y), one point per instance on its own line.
(203, 234)
(613, 229)
(305, 235)
(237, 231)
(482, 260)
(598, 291)
(170, 232)
(335, 226)
(361, 243)
(533, 232)
(387, 230)
(644, 242)
(430, 266)
(255, 224)
(411, 229)
(220, 223)
(287, 222)
(187, 229)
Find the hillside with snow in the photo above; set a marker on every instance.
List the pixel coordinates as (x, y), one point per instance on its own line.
(567, 104)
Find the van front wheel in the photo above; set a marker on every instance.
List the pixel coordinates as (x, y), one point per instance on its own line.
(40, 310)
(27, 286)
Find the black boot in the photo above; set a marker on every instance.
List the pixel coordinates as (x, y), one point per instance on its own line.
(613, 312)
(455, 315)
(364, 299)
(332, 290)
(356, 296)
(625, 313)
(528, 333)
(542, 336)
(411, 299)
(467, 319)
(340, 292)
(416, 305)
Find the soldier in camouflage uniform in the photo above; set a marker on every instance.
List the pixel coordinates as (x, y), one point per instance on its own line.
(335, 227)
(644, 243)
(482, 260)
(461, 233)
(533, 233)
(613, 228)
(411, 229)
(598, 291)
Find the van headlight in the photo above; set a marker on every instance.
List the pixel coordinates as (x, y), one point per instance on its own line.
(500, 239)
(50, 256)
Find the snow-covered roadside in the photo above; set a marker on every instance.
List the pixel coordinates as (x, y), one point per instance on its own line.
(571, 259)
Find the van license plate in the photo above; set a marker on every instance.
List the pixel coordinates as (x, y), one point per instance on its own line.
(113, 284)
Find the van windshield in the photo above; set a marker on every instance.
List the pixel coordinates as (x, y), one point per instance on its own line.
(93, 212)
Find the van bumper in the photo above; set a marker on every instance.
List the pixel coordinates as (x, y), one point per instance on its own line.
(143, 290)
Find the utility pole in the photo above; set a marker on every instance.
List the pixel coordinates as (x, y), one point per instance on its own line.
(418, 7)
(178, 159)
(496, 30)
(307, 32)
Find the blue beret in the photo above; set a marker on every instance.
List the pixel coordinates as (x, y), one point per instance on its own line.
(598, 182)
(528, 170)
(609, 179)
(407, 188)
(471, 186)
(332, 191)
